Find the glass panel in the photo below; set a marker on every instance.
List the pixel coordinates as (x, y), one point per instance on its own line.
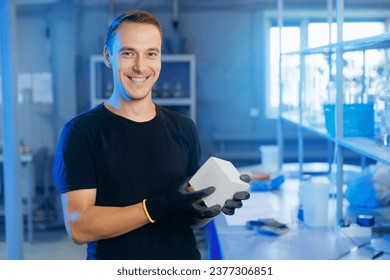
(316, 89)
(174, 80)
(290, 42)
(290, 78)
(104, 84)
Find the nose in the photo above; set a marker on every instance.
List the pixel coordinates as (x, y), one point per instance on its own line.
(139, 64)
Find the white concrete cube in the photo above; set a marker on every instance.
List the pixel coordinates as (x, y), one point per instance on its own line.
(222, 175)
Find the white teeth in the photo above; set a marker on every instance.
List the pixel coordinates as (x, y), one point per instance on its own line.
(138, 80)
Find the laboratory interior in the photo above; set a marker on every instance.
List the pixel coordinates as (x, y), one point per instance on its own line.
(293, 93)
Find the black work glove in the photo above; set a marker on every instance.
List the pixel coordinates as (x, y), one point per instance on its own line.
(178, 200)
(236, 202)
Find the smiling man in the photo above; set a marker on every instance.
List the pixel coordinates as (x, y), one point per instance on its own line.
(122, 168)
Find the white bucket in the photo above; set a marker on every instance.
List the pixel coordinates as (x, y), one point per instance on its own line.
(270, 158)
(315, 200)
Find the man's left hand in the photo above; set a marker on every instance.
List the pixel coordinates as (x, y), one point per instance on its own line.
(231, 204)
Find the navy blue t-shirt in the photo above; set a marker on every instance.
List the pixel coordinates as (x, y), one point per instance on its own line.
(126, 162)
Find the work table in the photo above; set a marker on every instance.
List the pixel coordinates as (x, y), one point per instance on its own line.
(231, 240)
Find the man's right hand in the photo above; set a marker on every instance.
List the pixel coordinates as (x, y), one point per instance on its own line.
(178, 200)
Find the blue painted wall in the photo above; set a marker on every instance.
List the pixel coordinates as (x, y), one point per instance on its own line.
(229, 76)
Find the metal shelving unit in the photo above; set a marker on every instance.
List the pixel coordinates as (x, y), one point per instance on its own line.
(178, 68)
(317, 129)
(364, 146)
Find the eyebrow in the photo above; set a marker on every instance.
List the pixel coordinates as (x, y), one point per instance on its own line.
(133, 49)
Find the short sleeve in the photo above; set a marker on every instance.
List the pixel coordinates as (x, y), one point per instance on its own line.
(73, 166)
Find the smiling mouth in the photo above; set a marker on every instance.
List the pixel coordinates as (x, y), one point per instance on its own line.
(138, 79)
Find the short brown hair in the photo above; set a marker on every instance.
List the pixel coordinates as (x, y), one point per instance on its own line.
(130, 16)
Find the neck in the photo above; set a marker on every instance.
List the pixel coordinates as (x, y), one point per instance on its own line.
(135, 110)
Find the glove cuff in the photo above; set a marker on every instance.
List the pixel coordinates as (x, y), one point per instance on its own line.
(155, 207)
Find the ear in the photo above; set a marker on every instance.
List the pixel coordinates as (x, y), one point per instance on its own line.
(107, 61)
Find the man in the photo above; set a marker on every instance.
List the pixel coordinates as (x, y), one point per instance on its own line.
(122, 168)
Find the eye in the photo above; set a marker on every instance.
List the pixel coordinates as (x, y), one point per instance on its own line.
(127, 53)
(153, 54)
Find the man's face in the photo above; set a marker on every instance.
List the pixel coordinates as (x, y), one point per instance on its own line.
(135, 60)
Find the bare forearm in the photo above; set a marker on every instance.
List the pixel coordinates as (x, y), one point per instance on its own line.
(98, 222)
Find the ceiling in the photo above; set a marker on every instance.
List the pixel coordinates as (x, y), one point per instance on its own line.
(204, 4)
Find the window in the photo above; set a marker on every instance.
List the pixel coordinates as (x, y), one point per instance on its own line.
(290, 42)
(317, 34)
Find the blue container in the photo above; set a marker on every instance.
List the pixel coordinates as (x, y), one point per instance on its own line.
(358, 119)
